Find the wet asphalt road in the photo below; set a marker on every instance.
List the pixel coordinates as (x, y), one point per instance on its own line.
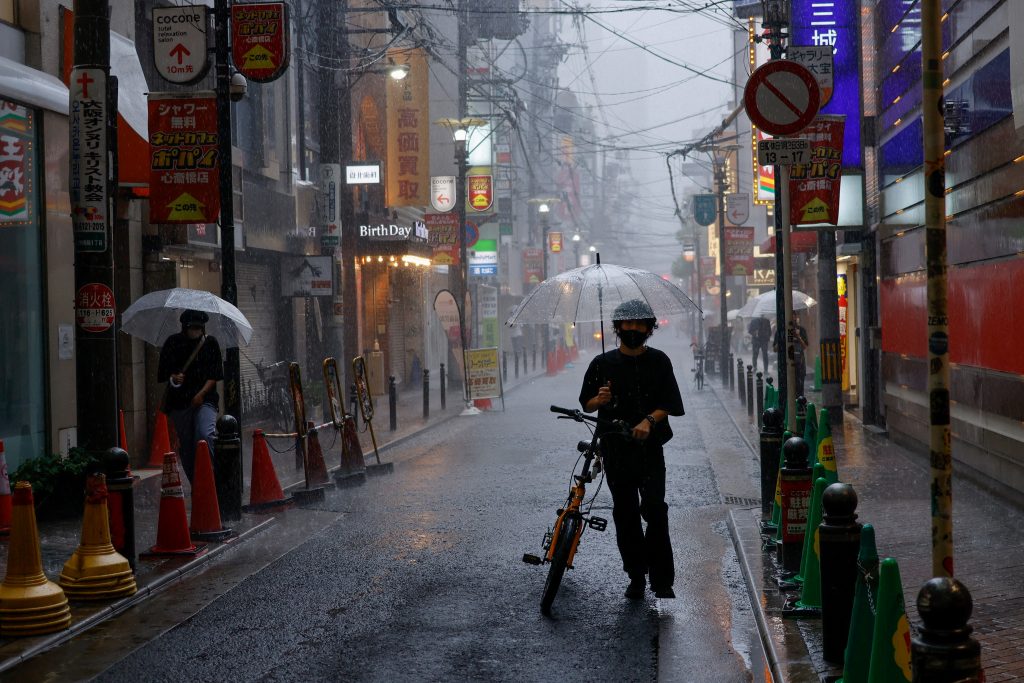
(417, 576)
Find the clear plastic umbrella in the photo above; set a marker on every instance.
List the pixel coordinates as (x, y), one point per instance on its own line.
(591, 293)
(765, 303)
(154, 317)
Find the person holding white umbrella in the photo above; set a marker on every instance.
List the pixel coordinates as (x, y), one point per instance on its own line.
(191, 364)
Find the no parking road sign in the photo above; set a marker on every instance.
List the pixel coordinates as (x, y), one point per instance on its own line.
(781, 97)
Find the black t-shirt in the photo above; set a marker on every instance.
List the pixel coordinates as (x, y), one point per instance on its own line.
(640, 385)
(760, 330)
(207, 365)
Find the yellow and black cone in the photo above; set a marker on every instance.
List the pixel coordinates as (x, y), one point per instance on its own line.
(826, 452)
(95, 570)
(890, 642)
(30, 604)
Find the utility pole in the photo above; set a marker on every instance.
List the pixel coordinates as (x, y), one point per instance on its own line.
(723, 289)
(228, 288)
(938, 323)
(93, 116)
(461, 284)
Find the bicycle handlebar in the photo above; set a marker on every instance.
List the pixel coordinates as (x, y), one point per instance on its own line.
(576, 414)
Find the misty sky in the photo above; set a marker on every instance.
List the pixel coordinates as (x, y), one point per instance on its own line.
(668, 94)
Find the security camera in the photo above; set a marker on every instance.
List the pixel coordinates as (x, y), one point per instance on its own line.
(237, 87)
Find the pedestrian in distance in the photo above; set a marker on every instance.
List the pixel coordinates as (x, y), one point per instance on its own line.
(798, 348)
(760, 330)
(191, 364)
(635, 383)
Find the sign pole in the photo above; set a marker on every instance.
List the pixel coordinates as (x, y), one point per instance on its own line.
(785, 333)
(723, 289)
(93, 124)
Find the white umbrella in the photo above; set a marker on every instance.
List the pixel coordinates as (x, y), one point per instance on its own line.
(765, 303)
(747, 310)
(154, 317)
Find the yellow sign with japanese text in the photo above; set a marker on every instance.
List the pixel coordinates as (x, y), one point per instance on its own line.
(483, 373)
(408, 132)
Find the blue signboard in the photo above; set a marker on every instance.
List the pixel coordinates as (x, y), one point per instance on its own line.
(483, 270)
(704, 209)
(836, 23)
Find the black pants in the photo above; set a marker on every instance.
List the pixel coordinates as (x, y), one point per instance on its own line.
(763, 348)
(801, 375)
(636, 478)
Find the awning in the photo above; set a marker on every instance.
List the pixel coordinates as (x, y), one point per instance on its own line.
(800, 241)
(34, 88)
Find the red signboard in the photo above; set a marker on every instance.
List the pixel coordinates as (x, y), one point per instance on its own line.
(94, 307)
(183, 163)
(533, 265)
(480, 192)
(444, 237)
(814, 187)
(259, 39)
(739, 251)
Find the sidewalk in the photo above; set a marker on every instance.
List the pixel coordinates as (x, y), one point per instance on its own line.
(892, 485)
(59, 539)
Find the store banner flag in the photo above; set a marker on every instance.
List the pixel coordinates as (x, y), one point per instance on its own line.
(739, 251)
(259, 40)
(407, 169)
(443, 229)
(814, 186)
(183, 156)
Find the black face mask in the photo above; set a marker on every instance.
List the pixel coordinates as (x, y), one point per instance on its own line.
(633, 339)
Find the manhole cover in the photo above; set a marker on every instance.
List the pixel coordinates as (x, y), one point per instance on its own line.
(736, 500)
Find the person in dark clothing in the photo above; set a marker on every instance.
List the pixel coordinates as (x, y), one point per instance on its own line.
(798, 335)
(760, 334)
(635, 383)
(191, 364)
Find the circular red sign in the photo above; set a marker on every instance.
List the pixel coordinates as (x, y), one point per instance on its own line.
(781, 97)
(94, 307)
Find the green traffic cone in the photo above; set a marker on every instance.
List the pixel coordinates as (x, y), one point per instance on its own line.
(814, 505)
(811, 433)
(826, 452)
(817, 373)
(890, 642)
(777, 502)
(862, 622)
(810, 596)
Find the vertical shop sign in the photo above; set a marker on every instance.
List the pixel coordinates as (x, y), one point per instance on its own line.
(88, 126)
(814, 186)
(764, 189)
(259, 40)
(183, 176)
(555, 242)
(841, 290)
(330, 207)
(408, 141)
(533, 265)
(480, 192)
(488, 315)
(443, 229)
(739, 251)
(17, 164)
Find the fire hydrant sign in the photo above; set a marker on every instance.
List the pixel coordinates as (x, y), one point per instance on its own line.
(94, 307)
(88, 124)
(179, 43)
(259, 39)
(184, 168)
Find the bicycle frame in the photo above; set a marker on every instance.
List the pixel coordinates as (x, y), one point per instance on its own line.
(575, 502)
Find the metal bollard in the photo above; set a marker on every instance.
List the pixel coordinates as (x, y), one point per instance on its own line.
(227, 468)
(796, 501)
(121, 503)
(801, 414)
(944, 651)
(839, 545)
(759, 399)
(741, 385)
(750, 391)
(392, 404)
(443, 381)
(771, 447)
(504, 366)
(733, 375)
(426, 393)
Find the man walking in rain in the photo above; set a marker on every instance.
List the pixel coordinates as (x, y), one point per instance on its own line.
(635, 383)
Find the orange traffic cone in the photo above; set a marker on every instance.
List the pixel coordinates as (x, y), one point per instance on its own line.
(206, 524)
(161, 441)
(96, 571)
(482, 403)
(5, 496)
(172, 529)
(265, 491)
(30, 604)
(353, 468)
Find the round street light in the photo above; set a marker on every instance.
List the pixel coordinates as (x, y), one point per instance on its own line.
(576, 237)
(398, 71)
(543, 208)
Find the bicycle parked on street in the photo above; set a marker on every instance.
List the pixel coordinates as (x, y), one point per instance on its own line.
(562, 541)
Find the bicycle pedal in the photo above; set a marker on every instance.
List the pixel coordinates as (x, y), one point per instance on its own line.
(597, 523)
(531, 559)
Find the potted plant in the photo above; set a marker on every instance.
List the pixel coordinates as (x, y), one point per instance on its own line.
(58, 484)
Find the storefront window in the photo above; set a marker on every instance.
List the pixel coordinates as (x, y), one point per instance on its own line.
(22, 380)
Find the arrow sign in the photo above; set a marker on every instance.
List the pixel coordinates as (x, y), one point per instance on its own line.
(179, 51)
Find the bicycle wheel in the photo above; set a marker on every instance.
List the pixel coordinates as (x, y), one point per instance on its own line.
(559, 559)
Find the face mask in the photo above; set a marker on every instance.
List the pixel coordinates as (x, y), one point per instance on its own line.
(633, 339)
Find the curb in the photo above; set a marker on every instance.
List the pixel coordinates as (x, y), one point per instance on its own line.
(145, 592)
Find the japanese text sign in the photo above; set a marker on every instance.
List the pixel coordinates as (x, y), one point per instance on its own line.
(94, 307)
(444, 237)
(814, 186)
(739, 251)
(89, 180)
(17, 164)
(480, 191)
(184, 164)
(818, 60)
(408, 132)
(259, 39)
(482, 373)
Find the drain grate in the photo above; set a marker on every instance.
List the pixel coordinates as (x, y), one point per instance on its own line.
(736, 500)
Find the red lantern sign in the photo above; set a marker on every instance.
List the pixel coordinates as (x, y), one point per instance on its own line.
(259, 40)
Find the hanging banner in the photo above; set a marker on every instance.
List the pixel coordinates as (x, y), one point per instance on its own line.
(480, 192)
(259, 40)
(442, 193)
(444, 237)
(704, 209)
(88, 126)
(739, 251)
(183, 168)
(533, 265)
(408, 132)
(843, 308)
(330, 204)
(814, 187)
(17, 165)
